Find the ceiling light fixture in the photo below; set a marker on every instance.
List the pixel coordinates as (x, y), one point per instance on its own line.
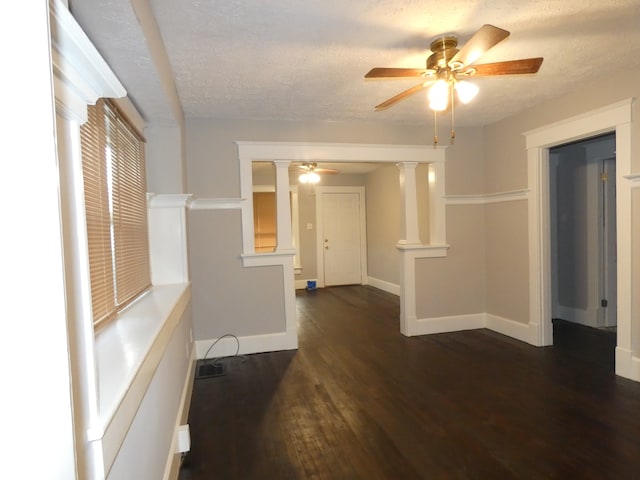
(448, 69)
(441, 94)
(309, 177)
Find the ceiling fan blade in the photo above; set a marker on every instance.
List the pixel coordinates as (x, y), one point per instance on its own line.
(381, 72)
(487, 37)
(513, 67)
(400, 96)
(326, 170)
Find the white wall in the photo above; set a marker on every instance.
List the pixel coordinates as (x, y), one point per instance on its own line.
(133, 375)
(36, 413)
(150, 444)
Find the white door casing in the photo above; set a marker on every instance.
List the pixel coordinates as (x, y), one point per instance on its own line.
(612, 118)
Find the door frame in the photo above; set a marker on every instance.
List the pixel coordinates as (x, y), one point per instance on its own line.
(320, 190)
(612, 118)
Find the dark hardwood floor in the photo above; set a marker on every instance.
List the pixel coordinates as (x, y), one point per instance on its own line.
(360, 401)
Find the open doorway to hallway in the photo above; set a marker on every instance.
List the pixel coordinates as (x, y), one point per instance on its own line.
(583, 245)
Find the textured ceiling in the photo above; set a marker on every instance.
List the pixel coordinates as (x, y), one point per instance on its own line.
(306, 59)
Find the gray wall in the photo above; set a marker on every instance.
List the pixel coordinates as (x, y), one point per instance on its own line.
(506, 169)
(228, 298)
(487, 264)
(455, 284)
(383, 224)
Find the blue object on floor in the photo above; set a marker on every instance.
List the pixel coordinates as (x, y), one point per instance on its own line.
(311, 285)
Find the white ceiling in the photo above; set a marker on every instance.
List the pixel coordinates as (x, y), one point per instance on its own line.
(305, 59)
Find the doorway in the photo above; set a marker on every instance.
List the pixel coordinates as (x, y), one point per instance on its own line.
(615, 117)
(341, 236)
(582, 194)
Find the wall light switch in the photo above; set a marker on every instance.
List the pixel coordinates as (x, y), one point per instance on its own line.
(309, 226)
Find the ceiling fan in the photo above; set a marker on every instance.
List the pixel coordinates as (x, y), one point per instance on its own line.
(448, 68)
(311, 172)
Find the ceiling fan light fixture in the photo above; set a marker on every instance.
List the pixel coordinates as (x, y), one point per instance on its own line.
(466, 91)
(309, 177)
(439, 95)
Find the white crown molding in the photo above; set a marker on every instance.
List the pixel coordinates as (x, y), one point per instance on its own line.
(486, 198)
(81, 75)
(573, 128)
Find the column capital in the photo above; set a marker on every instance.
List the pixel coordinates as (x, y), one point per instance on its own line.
(281, 163)
(405, 165)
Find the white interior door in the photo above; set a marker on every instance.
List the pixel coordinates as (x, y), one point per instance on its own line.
(341, 238)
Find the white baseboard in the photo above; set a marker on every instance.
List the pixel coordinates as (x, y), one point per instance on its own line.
(172, 467)
(508, 327)
(227, 346)
(627, 365)
(385, 286)
(454, 323)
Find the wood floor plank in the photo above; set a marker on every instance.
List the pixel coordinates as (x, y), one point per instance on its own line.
(360, 401)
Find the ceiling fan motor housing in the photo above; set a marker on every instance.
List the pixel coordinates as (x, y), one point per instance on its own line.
(444, 49)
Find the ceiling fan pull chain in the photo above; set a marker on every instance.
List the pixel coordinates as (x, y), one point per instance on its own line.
(453, 117)
(435, 128)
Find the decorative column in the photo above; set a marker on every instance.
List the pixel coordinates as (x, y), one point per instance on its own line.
(409, 204)
(284, 242)
(167, 216)
(437, 218)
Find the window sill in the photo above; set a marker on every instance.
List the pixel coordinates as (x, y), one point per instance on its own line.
(127, 354)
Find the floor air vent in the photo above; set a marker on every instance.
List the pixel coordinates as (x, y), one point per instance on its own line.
(207, 370)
